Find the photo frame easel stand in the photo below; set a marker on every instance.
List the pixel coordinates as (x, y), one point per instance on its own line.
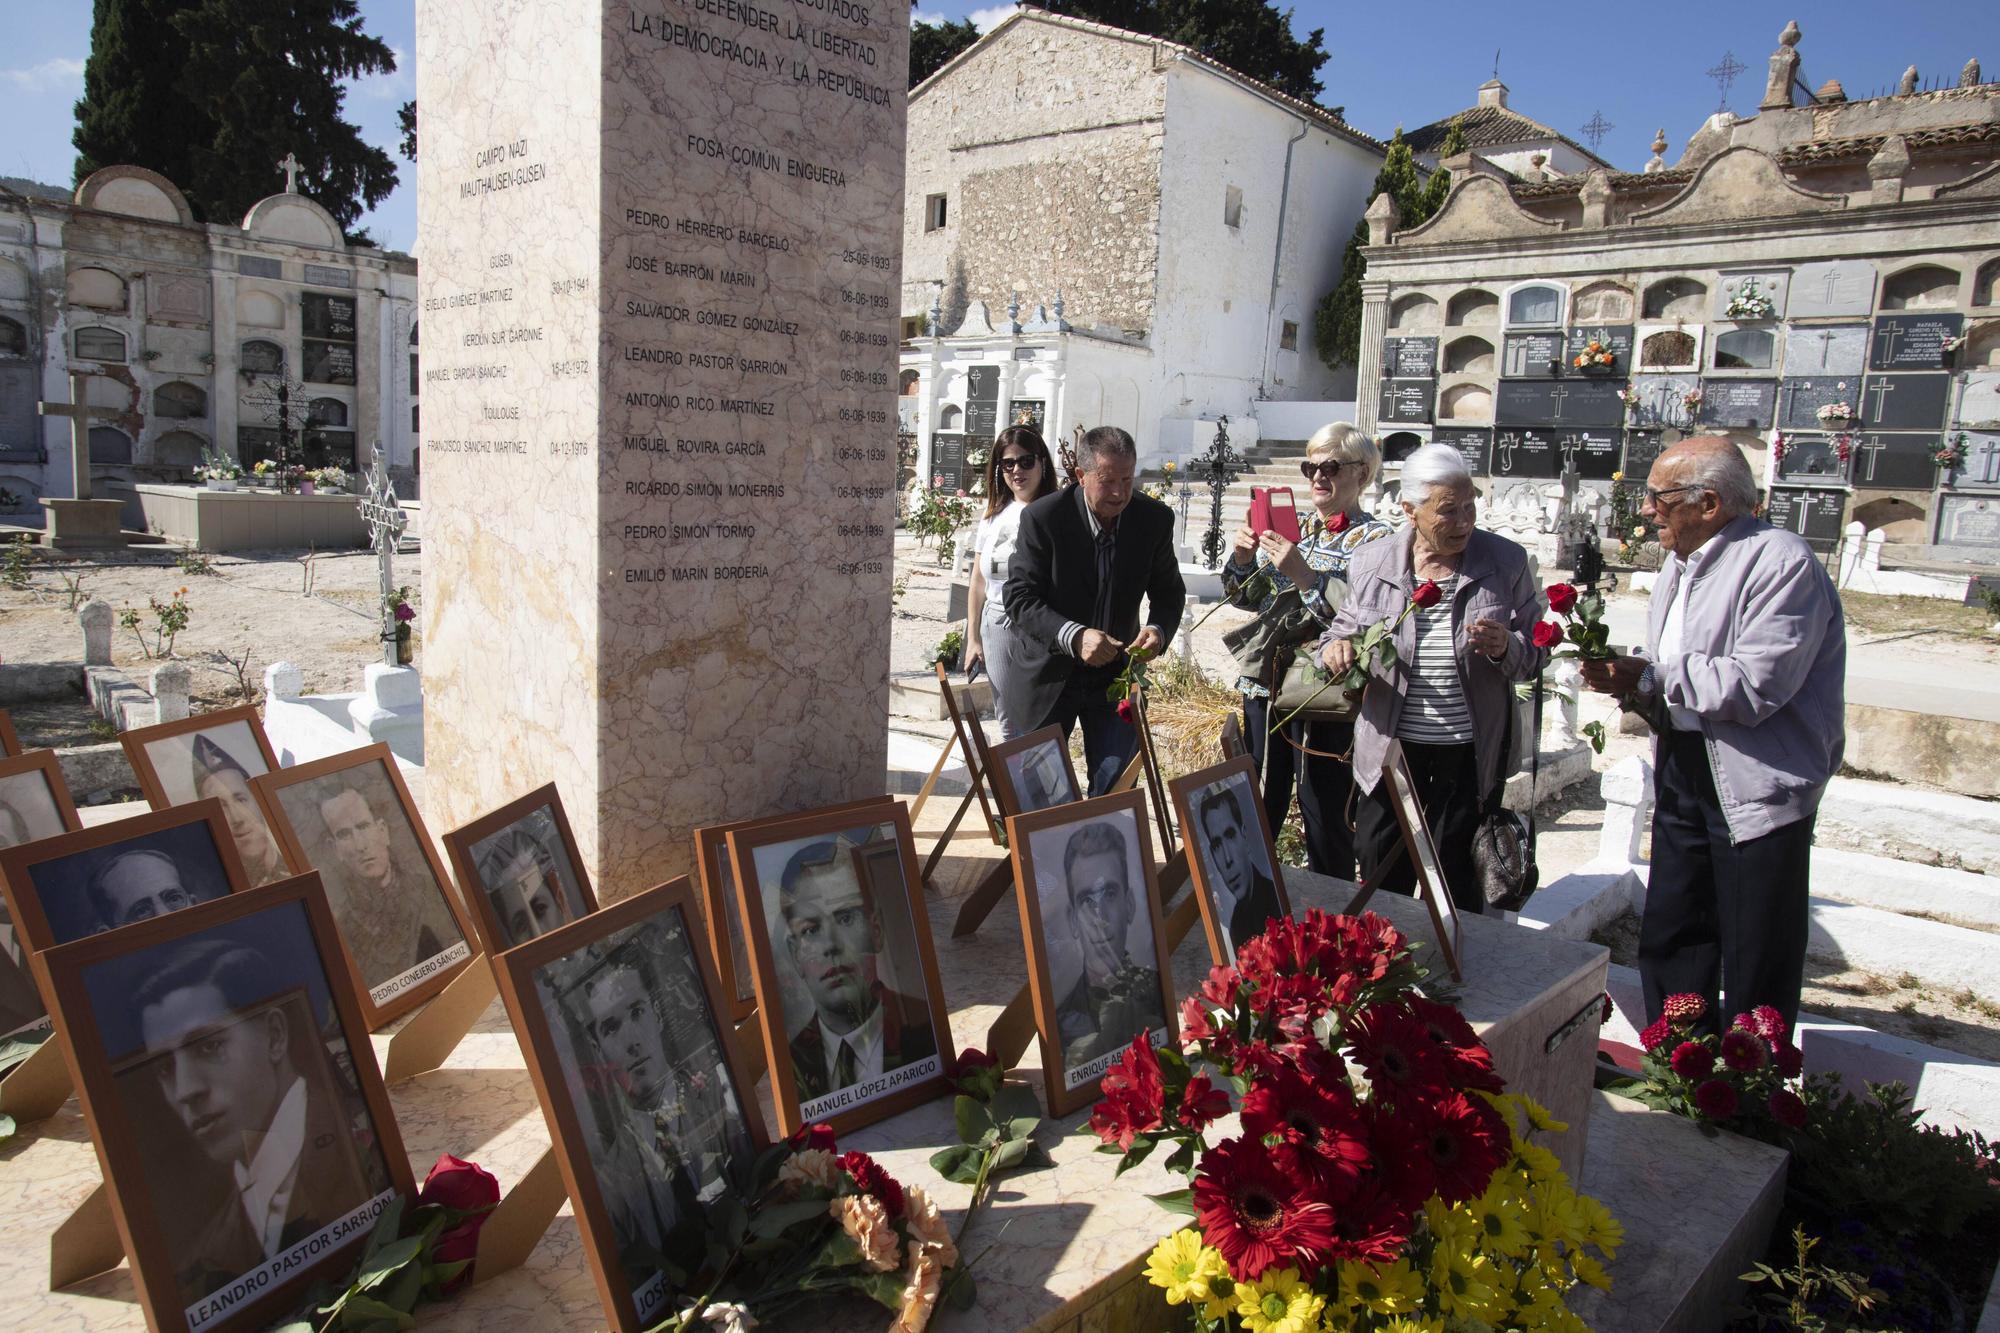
(1421, 850)
(433, 1032)
(971, 742)
(36, 1088)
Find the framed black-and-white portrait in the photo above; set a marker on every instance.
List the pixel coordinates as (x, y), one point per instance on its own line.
(10, 742)
(351, 818)
(621, 1017)
(520, 870)
(853, 1016)
(1097, 948)
(1239, 885)
(34, 804)
(227, 1079)
(213, 755)
(1033, 772)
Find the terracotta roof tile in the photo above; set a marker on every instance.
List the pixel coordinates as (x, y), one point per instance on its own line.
(1488, 127)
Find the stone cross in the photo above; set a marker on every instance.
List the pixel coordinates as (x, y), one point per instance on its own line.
(1987, 454)
(1804, 510)
(1881, 389)
(291, 166)
(1831, 279)
(386, 521)
(1826, 335)
(79, 411)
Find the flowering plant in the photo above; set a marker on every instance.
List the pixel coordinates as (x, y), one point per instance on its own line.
(1950, 454)
(1750, 302)
(1400, 1194)
(1629, 395)
(1749, 1075)
(1832, 412)
(1691, 399)
(263, 467)
(333, 478)
(1596, 355)
(1374, 649)
(218, 466)
(1843, 446)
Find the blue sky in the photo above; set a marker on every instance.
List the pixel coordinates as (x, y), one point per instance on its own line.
(1641, 67)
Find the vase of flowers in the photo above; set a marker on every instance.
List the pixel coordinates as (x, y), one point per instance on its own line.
(218, 471)
(1835, 416)
(1381, 1177)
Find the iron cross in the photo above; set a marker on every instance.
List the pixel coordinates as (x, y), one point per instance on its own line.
(79, 411)
(291, 166)
(386, 521)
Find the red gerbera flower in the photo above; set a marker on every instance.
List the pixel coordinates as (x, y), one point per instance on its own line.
(1255, 1205)
(870, 1178)
(1202, 1103)
(1402, 1171)
(1455, 1043)
(1465, 1141)
(1787, 1108)
(1134, 1096)
(1314, 1118)
(1394, 1049)
(1693, 1060)
(1715, 1099)
(1687, 1007)
(1743, 1051)
(1371, 1227)
(1657, 1034)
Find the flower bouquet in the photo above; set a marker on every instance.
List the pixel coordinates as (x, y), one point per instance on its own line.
(1834, 415)
(1751, 1073)
(1596, 355)
(1589, 638)
(1380, 1179)
(331, 478)
(1950, 454)
(1629, 395)
(1691, 399)
(1750, 302)
(1374, 649)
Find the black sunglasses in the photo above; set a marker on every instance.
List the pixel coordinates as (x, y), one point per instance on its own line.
(1326, 467)
(1018, 462)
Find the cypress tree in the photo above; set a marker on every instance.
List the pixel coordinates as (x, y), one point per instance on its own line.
(213, 93)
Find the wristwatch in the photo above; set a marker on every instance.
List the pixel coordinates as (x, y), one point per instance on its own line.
(1649, 680)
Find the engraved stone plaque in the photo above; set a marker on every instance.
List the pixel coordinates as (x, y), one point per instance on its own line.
(1532, 355)
(1979, 399)
(1826, 349)
(1641, 448)
(1476, 445)
(1524, 453)
(1904, 402)
(1968, 520)
(1409, 358)
(1897, 462)
(1406, 400)
(1812, 512)
(1771, 284)
(1747, 404)
(1614, 338)
(1596, 453)
(1811, 458)
(1982, 461)
(1800, 399)
(1913, 342)
(1663, 401)
(1843, 287)
(1571, 402)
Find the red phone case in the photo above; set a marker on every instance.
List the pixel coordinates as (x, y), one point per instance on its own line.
(1272, 509)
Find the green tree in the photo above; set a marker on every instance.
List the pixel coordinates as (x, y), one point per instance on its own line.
(1252, 37)
(1337, 321)
(406, 125)
(932, 45)
(213, 93)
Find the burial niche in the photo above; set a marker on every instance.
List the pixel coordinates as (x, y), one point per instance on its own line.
(1473, 307)
(1399, 445)
(13, 337)
(1537, 304)
(1675, 298)
(1986, 284)
(1602, 303)
(327, 412)
(259, 310)
(1667, 350)
(259, 357)
(108, 444)
(179, 448)
(179, 400)
(1925, 287)
(1470, 355)
(1415, 311)
(96, 288)
(949, 416)
(1744, 349)
(95, 344)
(1466, 402)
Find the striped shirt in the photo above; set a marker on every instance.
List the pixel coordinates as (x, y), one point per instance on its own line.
(1434, 710)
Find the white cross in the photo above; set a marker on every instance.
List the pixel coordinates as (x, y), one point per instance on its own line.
(386, 521)
(1986, 453)
(1558, 394)
(1885, 342)
(1881, 389)
(1508, 443)
(291, 166)
(79, 411)
(1873, 446)
(1570, 445)
(1832, 281)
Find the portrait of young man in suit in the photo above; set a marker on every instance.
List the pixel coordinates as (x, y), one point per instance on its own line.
(1086, 558)
(1240, 879)
(860, 1029)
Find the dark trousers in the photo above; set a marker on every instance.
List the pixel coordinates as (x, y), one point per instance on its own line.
(1446, 778)
(1720, 915)
(1323, 783)
(1108, 742)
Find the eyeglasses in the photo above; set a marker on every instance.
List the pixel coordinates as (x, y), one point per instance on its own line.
(1326, 467)
(1656, 496)
(1019, 463)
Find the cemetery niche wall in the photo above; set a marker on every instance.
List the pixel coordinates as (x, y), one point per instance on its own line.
(660, 290)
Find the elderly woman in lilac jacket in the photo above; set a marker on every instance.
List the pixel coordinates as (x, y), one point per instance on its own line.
(1448, 699)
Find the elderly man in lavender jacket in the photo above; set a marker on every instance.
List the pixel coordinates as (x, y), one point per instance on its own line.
(1743, 677)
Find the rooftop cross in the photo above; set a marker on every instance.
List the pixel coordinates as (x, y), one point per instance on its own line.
(1725, 74)
(291, 166)
(1596, 128)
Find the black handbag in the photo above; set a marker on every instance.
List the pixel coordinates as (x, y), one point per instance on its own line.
(1503, 846)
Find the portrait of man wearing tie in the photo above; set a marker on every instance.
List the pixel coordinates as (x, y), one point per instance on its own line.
(1239, 874)
(1117, 995)
(231, 1045)
(831, 925)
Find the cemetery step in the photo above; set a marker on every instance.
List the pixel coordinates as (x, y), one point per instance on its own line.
(1956, 897)
(1911, 824)
(910, 759)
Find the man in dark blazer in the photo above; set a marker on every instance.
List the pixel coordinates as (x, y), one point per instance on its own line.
(1086, 555)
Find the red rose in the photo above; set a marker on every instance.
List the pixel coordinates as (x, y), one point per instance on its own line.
(464, 1187)
(818, 1136)
(1687, 1007)
(1427, 594)
(1547, 634)
(978, 1075)
(1791, 1060)
(1787, 1109)
(1656, 1034)
(1715, 1099)
(1562, 597)
(1339, 523)
(1692, 1060)
(870, 1178)
(1126, 713)
(1743, 1051)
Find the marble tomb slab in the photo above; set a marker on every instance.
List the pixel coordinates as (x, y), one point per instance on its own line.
(1843, 287)
(1773, 284)
(1979, 399)
(1826, 349)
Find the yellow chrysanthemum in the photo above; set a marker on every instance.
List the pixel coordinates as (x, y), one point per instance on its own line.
(1538, 1116)
(1462, 1282)
(1501, 1220)
(1278, 1302)
(1407, 1325)
(1600, 1228)
(1393, 1290)
(1184, 1267)
(1589, 1270)
(1540, 1164)
(1453, 1227)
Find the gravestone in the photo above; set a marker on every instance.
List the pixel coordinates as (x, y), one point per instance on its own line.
(1905, 402)
(1570, 402)
(1799, 400)
(1772, 284)
(1525, 453)
(1979, 399)
(1843, 287)
(1747, 349)
(660, 265)
(1663, 401)
(948, 460)
(1742, 404)
(1616, 338)
(1814, 513)
(1668, 350)
(1409, 358)
(1532, 355)
(1596, 454)
(1642, 447)
(1969, 520)
(1406, 400)
(1476, 445)
(982, 405)
(1826, 349)
(1982, 462)
(1913, 342)
(1813, 458)
(1896, 462)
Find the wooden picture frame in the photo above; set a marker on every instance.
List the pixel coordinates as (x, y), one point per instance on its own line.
(10, 740)
(538, 818)
(759, 856)
(1024, 797)
(1422, 851)
(568, 1093)
(232, 749)
(721, 915)
(1199, 798)
(26, 818)
(1039, 843)
(389, 994)
(157, 1168)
